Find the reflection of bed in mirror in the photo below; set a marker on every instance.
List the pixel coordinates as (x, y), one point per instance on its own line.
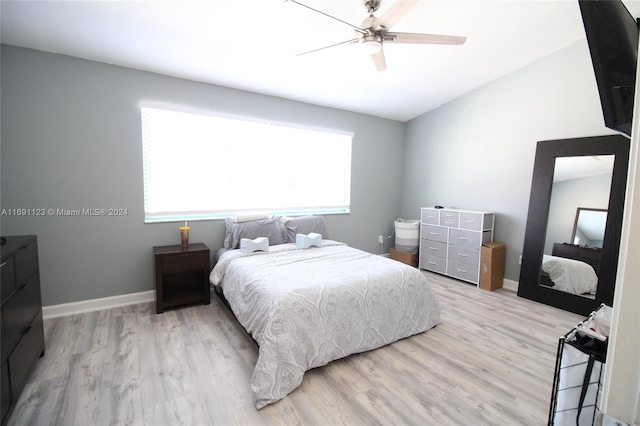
(572, 269)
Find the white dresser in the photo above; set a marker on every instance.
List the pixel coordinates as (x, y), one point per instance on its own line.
(450, 241)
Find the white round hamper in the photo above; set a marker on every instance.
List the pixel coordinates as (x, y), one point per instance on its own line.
(407, 235)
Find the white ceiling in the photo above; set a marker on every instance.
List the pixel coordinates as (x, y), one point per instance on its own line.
(251, 45)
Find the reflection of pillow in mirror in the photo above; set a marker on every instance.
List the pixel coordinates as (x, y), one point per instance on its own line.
(304, 225)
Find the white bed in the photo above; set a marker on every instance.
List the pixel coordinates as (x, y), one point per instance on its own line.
(569, 275)
(308, 307)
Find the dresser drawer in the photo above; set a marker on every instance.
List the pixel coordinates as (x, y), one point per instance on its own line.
(433, 248)
(463, 271)
(471, 221)
(26, 353)
(433, 263)
(434, 233)
(464, 255)
(464, 238)
(430, 216)
(8, 277)
(449, 218)
(476, 221)
(26, 263)
(184, 262)
(18, 310)
(5, 392)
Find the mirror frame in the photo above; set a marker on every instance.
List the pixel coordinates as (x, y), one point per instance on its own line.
(537, 220)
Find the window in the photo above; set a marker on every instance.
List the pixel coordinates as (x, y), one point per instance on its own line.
(204, 166)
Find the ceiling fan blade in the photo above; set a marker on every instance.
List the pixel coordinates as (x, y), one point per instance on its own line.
(358, 29)
(379, 61)
(353, 40)
(423, 38)
(395, 12)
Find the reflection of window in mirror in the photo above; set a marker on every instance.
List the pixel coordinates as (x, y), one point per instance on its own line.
(577, 182)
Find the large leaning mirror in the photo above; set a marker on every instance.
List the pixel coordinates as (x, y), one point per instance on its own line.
(572, 237)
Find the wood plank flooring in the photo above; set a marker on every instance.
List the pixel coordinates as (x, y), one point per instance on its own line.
(490, 362)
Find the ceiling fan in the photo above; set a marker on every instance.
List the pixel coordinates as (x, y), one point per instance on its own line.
(373, 31)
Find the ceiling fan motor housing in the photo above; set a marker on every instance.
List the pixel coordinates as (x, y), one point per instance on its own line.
(372, 5)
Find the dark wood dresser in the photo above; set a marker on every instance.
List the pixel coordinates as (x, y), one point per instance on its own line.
(589, 255)
(22, 328)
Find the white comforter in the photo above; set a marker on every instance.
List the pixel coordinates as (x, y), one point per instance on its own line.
(307, 307)
(569, 275)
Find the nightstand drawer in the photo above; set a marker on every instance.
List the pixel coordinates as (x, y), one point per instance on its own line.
(184, 262)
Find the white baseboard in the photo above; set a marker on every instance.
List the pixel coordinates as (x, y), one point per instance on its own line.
(510, 285)
(73, 308)
(66, 309)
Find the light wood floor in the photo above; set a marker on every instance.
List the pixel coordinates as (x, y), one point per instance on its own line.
(490, 362)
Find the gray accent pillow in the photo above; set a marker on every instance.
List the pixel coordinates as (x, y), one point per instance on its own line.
(305, 225)
(270, 228)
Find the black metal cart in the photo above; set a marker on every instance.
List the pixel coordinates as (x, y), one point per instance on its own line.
(579, 371)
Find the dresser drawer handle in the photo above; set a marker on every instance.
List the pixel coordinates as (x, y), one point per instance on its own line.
(433, 233)
(463, 255)
(431, 262)
(463, 238)
(470, 221)
(433, 248)
(464, 271)
(3, 263)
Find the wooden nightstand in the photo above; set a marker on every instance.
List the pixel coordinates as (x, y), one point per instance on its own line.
(182, 275)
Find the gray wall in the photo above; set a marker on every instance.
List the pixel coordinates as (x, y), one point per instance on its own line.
(477, 152)
(71, 140)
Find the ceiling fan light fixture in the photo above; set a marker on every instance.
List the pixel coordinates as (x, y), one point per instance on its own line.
(371, 44)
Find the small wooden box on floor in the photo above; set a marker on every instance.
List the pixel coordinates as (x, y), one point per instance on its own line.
(491, 266)
(404, 257)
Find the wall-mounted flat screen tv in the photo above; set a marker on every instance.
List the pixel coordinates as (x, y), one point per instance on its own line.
(612, 35)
